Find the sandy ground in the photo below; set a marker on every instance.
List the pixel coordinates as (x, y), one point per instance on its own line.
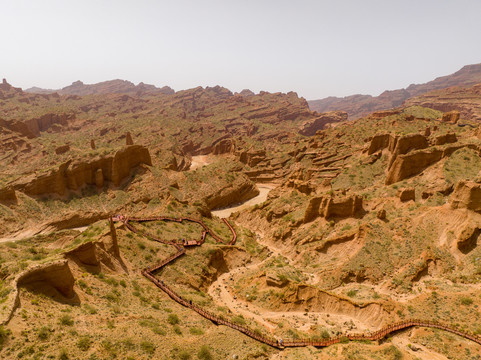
(199, 161)
(25, 234)
(402, 341)
(263, 191)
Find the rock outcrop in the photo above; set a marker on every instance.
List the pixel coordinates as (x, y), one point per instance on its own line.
(329, 207)
(7, 194)
(400, 145)
(62, 149)
(252, 157)
(448, 138)
(310, 127)
(242, 189)
(74, 174)
(379, 142)
(31, 128)
(56, 274)
(451, 117)
(411, 164)
(415, 162)
(466, 195)
(407, 194)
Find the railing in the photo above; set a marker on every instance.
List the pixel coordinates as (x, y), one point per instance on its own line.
(278, 343)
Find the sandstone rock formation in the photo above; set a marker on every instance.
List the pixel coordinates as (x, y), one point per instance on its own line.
(451, 117)
(252, 157)
(381, 214)
(31, 128)
(128, 139)
(379, 142)
(239, 191)
(468, 239)
(62, 149)
(223, 146)
(273, 278)
(407, 194)
(328, 207)
(7, 194)
(310, 127)
(415, 162)
(448, 138)
(56, 274)
(466, 195)
(400, 145)
(74, 174)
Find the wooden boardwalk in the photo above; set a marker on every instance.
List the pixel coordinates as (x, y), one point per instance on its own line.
(180, 246)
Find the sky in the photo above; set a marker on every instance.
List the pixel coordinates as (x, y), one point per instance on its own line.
(315, 48)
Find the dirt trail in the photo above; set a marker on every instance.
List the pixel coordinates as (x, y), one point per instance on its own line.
(223, 294)
(263, 191)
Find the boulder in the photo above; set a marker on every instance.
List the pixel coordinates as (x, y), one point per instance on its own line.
(407, 194)
(275, 279)
(62, 149)
(468, 239)
(451, 117)
(309, 127)
(381, 214)
(466, 195)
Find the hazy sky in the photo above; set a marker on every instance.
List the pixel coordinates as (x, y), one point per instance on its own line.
(316, 48)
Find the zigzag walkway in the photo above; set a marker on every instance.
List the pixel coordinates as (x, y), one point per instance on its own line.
(257, 335)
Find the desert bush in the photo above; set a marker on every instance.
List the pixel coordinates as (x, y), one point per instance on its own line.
(66, 320)
(204, 353)
(173, 319)
(148, 347)
(84, 343)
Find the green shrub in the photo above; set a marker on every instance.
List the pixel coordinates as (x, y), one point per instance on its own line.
(66, 320)
(84, 343)
(196, 331)
(43, 333)
(204, 353)
(173, 319)
(352, 293)
(466, 301)
(148, 347)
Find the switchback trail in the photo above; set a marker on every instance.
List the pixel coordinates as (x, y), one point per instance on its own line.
(180, 246)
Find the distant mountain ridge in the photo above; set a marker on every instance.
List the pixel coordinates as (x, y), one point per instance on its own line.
(106, 87)
(360, 105)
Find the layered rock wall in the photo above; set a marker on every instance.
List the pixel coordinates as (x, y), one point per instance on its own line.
(74, 174)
